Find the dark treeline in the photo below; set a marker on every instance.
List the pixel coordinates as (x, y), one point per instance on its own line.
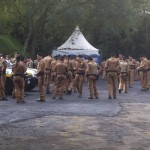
(121, 26)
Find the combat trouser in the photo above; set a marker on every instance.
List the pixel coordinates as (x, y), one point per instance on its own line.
(69, 81)
(59, 85)
(148, 79)
(103, 74)
(92, 86)
(79, 79)
(4, 82)
(131, 77)
(47, 80)
(41, 87)
(111, 77)
(123, 82)
(1, 87)
(19, 88)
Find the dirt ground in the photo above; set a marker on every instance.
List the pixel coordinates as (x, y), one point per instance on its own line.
(77, 123)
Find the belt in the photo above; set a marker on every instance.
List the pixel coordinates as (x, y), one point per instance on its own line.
(48, 69)
(18, 74)
(111, 71)
(60, 73)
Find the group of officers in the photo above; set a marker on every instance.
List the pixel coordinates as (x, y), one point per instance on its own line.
(68, 74)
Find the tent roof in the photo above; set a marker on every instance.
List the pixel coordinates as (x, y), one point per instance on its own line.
(77, 41)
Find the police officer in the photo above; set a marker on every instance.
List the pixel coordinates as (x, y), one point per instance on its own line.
(69, 82)
(1, 81)
(144, 72)
(79, 75)
(132, 68)
(92, 74)
(47, 80)
(40, 74)
(4, 62)
(111, 67)
(61, 70)
(18, 70)
(124, 70)
(102, 65)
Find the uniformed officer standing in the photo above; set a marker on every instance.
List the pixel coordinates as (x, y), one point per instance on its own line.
(111, 67)
(79, 75)
(102, 66)
(40, 74)
(92, 74)
(47, 80)
(61, 70)
(124, 70)
(4, 62)
(1, 81)
(132, 68)
(144, 73)
(18, 70)
(69, 82)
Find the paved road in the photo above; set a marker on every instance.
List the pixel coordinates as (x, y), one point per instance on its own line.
(77, 123)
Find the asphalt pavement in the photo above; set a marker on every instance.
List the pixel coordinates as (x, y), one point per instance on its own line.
(77, 123)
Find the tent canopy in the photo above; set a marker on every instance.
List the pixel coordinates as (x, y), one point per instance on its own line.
(77, 45)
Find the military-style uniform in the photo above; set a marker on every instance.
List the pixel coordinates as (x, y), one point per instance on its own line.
(132, 72)
(69, 82)
(103, 70)
(18, 70)
(79, 75)
(92, 73)
(47, 80)
(4, 76)
(53, 71)
(61, 70)
(1, 81)
(111, 69)
(124, 70)
(40, 74)
(144, 73)
(30, 63)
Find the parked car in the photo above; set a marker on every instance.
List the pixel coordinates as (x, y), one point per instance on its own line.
(30, 79)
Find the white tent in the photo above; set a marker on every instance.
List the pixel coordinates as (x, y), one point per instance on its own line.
(77, 45)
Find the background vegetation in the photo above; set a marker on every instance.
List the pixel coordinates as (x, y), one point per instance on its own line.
(122, 26)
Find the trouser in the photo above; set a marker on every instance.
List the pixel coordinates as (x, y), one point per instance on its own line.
(53, 78)
(111, 77)
(131, 76)
(19, 88)
(47, 80)
(69, 81)
(123, 82)
(41, 87)
(92, 86)
(59, 85)
(79, 79)
(3, 88)
(143, 78)
(103, 74)
(148, 79)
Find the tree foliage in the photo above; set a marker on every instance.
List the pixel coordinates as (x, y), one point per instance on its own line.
(121, 26)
